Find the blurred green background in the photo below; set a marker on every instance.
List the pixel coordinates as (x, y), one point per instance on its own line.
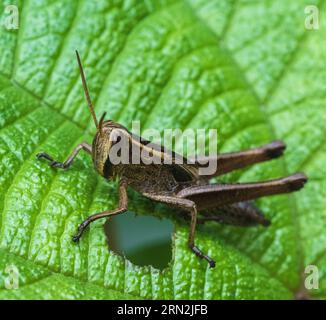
(143, 240)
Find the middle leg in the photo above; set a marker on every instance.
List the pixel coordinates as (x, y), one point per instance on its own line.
(190, 207)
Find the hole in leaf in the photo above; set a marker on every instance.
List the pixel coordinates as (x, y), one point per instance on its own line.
(143, 240)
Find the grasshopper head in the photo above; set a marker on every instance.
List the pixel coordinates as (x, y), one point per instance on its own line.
(107, 135)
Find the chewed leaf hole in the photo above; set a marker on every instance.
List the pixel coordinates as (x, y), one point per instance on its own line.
(143, 240)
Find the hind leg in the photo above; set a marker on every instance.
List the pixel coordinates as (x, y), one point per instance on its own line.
(217, 195)
(244, 214)
(227, 162)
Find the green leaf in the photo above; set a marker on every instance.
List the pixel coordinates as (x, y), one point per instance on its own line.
(249, 69)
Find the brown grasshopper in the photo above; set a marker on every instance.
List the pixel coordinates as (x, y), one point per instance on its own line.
(180, 185)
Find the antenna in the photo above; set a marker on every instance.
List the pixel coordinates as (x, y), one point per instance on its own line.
(88, 98)
(101, 122)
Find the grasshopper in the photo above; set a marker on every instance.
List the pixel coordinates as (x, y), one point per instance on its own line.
(180, 185)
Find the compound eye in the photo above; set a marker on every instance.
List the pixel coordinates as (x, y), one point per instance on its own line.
(116, 136)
